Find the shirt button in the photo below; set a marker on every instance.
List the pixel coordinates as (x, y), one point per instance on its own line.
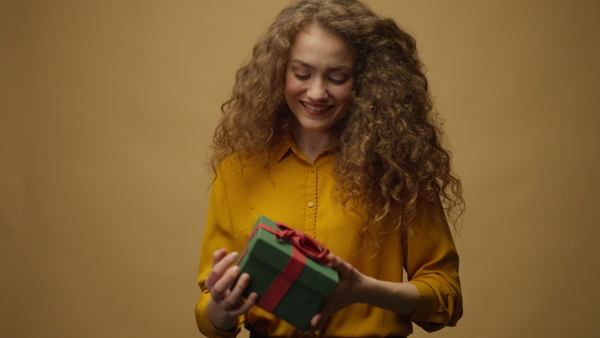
(310, 204)
(312, 170)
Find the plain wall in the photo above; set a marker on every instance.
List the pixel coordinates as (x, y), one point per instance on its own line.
(107, 109)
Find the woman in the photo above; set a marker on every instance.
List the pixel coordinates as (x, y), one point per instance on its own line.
(329, 130)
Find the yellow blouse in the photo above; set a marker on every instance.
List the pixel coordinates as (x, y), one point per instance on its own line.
(297, 193)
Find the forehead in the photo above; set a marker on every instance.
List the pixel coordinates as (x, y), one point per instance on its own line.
(321, 48)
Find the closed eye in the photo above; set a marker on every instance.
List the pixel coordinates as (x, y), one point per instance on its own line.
(302, 76)
(337, 81)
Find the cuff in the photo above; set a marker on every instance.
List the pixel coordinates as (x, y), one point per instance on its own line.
(205, 324)
(426, 314)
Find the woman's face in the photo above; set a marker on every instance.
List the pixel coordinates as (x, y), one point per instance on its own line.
(319, 79)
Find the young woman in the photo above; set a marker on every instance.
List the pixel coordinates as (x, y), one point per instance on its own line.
(329, 130)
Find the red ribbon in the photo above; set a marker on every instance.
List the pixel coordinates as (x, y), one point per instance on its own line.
(302, 246)
(284, 281)
(306, 244)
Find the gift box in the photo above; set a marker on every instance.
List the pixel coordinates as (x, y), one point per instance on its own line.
(288, 271)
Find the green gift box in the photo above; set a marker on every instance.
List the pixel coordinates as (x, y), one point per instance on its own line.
(288, 272)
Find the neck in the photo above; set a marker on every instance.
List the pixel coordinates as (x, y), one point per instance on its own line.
(312, 143)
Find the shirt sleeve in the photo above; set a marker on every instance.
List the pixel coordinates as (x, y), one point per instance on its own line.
(217, 234)
(432, 266)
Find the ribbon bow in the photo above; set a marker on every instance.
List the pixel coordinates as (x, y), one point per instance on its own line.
(306, 244)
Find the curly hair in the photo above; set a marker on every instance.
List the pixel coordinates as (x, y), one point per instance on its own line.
(389, 154)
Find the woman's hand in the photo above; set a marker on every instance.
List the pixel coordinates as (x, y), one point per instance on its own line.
(226, 303)
(354, 287)
(347, 292)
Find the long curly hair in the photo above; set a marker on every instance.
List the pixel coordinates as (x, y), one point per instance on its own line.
(389, 154)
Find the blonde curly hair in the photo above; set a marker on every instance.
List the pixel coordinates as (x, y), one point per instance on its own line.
(389, 156)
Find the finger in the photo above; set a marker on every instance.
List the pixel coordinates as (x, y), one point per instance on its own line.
(335, 260)
(318, 321)
(339, 264)
(240, 287)
(220, 265)
(234, 301)
(213, 277)
(218, 255)
(321, 317)
(314, 322)
(221, 287)
(252, 299)
(215, 274)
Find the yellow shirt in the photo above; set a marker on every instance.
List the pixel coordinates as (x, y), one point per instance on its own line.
(297, 193)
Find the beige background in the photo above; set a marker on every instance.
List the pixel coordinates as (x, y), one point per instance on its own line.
(107, 109)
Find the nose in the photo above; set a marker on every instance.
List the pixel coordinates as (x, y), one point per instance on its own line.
(317, 92)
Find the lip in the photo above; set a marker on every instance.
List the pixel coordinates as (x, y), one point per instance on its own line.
(321, 108)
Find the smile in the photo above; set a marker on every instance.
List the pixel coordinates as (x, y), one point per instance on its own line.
(319, 108)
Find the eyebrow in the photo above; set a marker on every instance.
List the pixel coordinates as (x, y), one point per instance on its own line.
(330, 69)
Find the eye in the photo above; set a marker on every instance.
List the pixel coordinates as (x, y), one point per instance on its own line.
(337, 81)
(302, 76)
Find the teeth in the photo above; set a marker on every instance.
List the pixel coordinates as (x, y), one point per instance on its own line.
(315, 108)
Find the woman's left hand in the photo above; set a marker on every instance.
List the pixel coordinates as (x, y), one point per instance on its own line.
(346, 293)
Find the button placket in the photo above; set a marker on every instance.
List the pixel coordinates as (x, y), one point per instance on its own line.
(311, 201)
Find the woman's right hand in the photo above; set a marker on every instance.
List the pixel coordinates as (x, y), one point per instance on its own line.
(226, 303)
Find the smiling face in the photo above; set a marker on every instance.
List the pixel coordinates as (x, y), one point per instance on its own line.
(319, 80)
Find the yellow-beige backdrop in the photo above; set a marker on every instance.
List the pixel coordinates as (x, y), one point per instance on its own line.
(107, 109)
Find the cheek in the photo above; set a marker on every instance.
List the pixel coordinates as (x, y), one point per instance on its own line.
(344, 95)
(291, 87)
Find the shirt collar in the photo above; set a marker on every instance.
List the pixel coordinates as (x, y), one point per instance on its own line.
(287, 146)
(281, 149)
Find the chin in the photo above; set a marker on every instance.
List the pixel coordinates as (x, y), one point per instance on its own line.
(316, 127)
